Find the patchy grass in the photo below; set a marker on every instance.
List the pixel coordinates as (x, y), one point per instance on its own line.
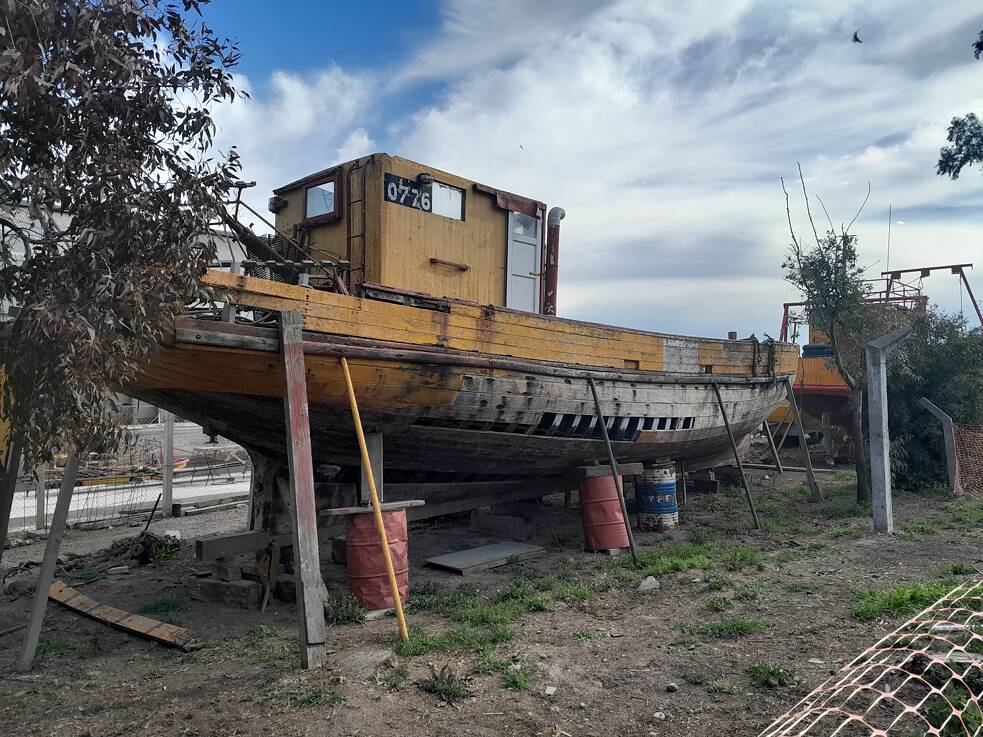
(717, 604)
(961, 569)
(516, 679)
(677, 557)
(799, 587)
(696, 679)
(739, 557)
(718, 582)
(771, 676)
(489, 662)
(51, 650)
(460, 639)
(166, 610)
(257, 646)
(912, 530)
(843, 509)
(317, 696)
(446, 685)
(748, 593)
(804, 552)
(343, 610)
(725, 629)
(721, 686)
(845, 533)
(897, 601)
(393, 679)
(586, 635)
(162, 554)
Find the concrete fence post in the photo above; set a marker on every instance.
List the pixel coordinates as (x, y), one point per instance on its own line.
(167, 467)
(880, 439)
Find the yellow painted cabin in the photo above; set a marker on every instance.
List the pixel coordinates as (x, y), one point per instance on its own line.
(416, 228)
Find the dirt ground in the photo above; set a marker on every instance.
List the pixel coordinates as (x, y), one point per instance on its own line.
(584, 652)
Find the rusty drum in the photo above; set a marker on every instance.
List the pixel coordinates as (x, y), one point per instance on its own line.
(366, 564)
(600, 512)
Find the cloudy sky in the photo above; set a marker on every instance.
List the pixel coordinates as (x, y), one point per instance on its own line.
(662, 132)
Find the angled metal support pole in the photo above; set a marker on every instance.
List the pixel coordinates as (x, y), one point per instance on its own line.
(614, 467)
(880, 439)
(949, 436)
(737, 457)
(48, 563)
(815, 493)
(771, 445)
(310, 607)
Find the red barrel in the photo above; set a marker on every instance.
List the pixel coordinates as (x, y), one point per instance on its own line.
(600, 510)
(366, 563)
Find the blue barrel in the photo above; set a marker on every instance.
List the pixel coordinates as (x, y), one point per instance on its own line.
(655, 499)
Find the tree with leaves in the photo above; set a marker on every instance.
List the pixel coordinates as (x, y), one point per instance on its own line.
(105, 143)
(965, 137)
(834, 289)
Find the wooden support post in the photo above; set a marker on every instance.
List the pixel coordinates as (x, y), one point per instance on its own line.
(880, 440)
(229, 309)
(614, 467)
(48, 563)
(373, 441)
(310, 607)
(737, 457)
(815, 493)
(8, 485)
(41, 500)
(167, 467)
(772, 446)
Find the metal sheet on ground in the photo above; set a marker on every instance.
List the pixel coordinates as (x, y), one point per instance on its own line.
(484, 557)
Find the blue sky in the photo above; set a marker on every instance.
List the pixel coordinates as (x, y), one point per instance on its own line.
(662, 133)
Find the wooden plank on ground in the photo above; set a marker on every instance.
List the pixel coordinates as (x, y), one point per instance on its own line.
(484, 557)
(624, 469)
(136, 624)
(310, 608)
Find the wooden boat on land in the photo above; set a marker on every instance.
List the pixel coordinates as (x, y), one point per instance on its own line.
(482, 383)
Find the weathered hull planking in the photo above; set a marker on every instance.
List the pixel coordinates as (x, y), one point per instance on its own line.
(504, 410)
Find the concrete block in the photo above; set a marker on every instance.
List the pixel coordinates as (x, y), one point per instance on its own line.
(226, 570)
(246, 594)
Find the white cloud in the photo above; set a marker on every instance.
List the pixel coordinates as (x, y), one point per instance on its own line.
(664, 133)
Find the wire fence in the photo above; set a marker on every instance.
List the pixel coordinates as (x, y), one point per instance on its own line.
(925, 678)
(117, 487)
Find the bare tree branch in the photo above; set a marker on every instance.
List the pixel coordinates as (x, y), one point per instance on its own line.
(862, 206)
(805, 196)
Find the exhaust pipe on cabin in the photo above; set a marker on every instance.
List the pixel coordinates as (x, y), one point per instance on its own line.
(556, 214)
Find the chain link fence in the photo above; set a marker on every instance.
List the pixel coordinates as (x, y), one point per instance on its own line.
(207, 473)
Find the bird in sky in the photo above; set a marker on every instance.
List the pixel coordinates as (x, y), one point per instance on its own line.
(856, 37)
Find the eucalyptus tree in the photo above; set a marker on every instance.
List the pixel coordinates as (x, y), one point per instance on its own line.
(965, 137)
(108, 182)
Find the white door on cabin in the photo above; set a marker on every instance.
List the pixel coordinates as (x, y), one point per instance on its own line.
(524, 263)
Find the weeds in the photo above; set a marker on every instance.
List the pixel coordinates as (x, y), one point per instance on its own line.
(961, 569)
(912, 530)
(254, 646)
(798, 587)
(586, 635)
(725, 629)
(678, 557)
(488, 662)
(516, 679)
(814, 550)
(717, 582)
(166, 610)
(464, 638)
(446, 685)
(318, 696)
(770, 676)
(721, 686)
(897, 601)
(50, 650)
(740, 557)
(717, 604)
(748, 593)
(343, 609)
(393, 679)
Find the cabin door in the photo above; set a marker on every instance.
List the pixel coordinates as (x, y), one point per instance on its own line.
(524, 260)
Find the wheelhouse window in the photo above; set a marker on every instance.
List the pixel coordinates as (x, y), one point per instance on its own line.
(447, 201)
(322, 200)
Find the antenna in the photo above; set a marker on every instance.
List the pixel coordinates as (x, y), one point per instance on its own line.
(890, 210)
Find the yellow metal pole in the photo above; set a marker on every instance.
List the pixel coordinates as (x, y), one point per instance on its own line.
(380, 526)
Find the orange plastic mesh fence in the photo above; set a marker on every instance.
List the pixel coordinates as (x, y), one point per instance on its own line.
(925, 678)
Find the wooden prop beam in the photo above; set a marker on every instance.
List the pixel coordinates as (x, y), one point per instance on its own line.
(815, 493)
(373, 440)
(8, 485)
(310, 607)
(380, 524)
(48, 563)
(136, 624)
(737, 458)
(949, 437)
(614, 467)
